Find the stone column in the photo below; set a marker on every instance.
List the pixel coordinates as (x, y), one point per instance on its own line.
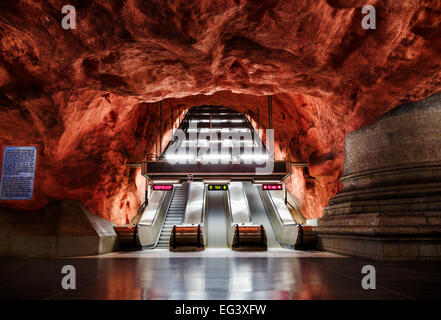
(390, 205)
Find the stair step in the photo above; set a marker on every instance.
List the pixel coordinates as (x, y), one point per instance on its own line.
(175, 215)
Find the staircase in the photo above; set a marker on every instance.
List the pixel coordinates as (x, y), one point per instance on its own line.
(175, 215)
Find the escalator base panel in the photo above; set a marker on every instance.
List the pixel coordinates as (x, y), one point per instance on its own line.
(249, 238)
(185, 238)
(250, 248)
(186, 249)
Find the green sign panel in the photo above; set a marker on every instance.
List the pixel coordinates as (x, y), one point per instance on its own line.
(219, 187)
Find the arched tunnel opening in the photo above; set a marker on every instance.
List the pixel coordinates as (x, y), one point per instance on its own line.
(279, 130)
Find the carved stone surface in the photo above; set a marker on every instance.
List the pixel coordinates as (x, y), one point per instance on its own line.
(390, 205)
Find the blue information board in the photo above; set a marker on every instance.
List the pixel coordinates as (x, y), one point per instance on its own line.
(18, 173)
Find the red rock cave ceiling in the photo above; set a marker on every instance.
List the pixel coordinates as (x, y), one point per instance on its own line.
(86, 97)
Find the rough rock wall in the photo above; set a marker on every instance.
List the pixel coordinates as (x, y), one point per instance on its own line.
(84, 96)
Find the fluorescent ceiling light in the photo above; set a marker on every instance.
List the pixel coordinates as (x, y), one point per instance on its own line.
(254, 156)
(177, 157)
(219, 181)
(216, 156)
(266, 181)
(171, 181)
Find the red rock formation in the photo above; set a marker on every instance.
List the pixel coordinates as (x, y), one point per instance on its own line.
(85, 96)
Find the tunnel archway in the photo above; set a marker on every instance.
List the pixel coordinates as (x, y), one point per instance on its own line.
(87, 98)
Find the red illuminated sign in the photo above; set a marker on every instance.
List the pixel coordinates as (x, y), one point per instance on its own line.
(163, 187)
(271, 187)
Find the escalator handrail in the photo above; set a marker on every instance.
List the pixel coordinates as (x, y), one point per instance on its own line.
(275, 209)
(237, 235)
(165, 216)
(247, 206)
(174, 237)
(260, 191)
(159, 208)
(198, 240)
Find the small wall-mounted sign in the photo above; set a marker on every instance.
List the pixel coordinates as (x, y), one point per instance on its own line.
(272, 187)
(218, 187)
(18, 173)
(163, 187)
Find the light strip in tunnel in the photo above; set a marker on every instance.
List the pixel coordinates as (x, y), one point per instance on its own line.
(225, 143)
(216, 141)
(179, 157)
(218, 181)
(216, 157)
(167, 181)
(217, 129)
(254, 156)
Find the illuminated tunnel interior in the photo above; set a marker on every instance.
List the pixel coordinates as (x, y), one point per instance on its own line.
(200, 186)
(229, 129)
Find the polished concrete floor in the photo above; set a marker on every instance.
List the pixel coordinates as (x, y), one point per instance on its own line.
(217, 274)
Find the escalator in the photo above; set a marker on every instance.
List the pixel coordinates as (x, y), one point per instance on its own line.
(259, 214)
(175, 215)
(216, 219)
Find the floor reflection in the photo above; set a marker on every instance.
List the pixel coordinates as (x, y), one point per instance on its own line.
(213, 278)
(187, 277)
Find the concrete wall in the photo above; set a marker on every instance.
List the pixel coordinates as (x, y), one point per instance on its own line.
(63, 228)
(409, 134)
(390, 206)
